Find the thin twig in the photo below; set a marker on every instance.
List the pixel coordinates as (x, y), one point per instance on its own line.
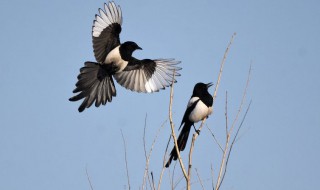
(125, 157)
(190, 162)
(146, 157)
(233, 142)
(224, 161)
(149, 155)
(242, 101)
(214, 137)
(172, 130)
(153, 185)
(199, 178)
(221, 67)
(88, 177)
(164, 162)
(212, 175)
(222, 164)
(226, 113)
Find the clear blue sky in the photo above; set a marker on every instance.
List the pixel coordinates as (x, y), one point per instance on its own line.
(46, 144)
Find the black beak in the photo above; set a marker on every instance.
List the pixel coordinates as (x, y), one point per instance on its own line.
(209, 84)
(139, 48)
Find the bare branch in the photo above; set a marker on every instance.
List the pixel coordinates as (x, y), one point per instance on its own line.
(125, 157)
(190, 162)
(164, 162)
(146, 157)
(224, 159)
(172, 130)
(88, 177)
(233, 142)
(215, 139)
(226, 113)
(218, 80)
(221, 67)
(149, 155)
(153, 185)
(222, 164)
(242, 101)
(199, 178)
(212, 176)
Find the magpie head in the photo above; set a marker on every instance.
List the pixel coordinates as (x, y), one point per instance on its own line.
(201, 88)
(127, 48)
(130, 46)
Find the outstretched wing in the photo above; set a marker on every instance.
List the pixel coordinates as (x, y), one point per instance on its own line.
(148, 75)
(105, 30)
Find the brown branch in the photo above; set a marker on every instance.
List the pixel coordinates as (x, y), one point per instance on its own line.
(190, 162)
(125, 157)
(172, 130)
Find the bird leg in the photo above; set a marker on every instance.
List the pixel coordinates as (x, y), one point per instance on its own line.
(196, 130)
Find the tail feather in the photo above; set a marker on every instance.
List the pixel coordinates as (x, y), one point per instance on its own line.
(95, 84)
(182, 142)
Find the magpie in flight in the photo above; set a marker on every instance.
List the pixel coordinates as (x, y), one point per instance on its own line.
(198, 108)
(114, 60)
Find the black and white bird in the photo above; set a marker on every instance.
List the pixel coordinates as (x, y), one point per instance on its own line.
(198, 108)
(114, 60)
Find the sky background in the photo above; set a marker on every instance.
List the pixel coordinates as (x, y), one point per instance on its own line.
(46, 144)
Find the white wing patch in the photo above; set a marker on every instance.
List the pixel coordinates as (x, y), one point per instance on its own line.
(162, 77)
(111, 14)
(137, 80)
(192, 100)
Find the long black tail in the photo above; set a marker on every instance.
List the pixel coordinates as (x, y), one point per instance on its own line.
(94, 84)
(182, 142)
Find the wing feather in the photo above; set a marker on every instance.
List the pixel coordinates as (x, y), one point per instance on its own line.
(148, 75)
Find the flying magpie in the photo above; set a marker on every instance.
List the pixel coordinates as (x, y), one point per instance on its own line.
(114, 60)
(198, 108)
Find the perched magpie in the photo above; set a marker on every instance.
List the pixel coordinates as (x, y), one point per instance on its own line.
(198, 108)
(114, 60)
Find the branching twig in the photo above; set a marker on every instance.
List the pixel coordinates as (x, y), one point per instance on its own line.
(227, 149)
(232, 143)
(226, 146)
(145, 151)
(125, 157)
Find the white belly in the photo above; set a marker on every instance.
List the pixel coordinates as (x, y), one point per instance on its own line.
(200, 112)
(115, 58)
